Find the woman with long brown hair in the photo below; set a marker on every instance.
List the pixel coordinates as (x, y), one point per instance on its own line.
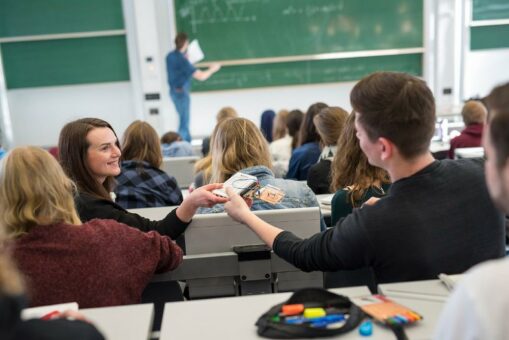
(353, 179)
(308, 151)
(90, 156)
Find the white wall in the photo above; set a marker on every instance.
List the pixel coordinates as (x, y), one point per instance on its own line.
(38, 114)
(484, 69)
(250, 103)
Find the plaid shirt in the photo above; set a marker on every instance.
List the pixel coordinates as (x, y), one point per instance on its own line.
(140, 185)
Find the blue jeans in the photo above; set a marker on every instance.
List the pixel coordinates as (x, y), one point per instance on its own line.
(182, 104)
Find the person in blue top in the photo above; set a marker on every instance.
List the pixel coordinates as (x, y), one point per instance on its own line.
(180, 71)
(308, 151)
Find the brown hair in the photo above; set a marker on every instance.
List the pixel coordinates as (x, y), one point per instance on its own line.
(73, 148)
(34, 191)
(473, 112)
(498, 102)
(170, 137)
(329, 123)
(307, 131)
(237, 144)
(225, 113)
(293, 123)
(279, 128)
(180, 40)
(350, 166)
(141, 143)
(396, 106)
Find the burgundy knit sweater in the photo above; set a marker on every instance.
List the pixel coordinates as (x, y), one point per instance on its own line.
(470, 137)
(99, 263)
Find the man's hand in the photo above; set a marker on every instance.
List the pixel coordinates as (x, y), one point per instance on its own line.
(214, 67)
(236, 207)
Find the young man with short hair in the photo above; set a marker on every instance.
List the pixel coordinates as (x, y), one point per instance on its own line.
(474, 115)
(437, 216)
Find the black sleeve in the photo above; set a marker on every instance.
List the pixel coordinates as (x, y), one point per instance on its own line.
(170, 226)
(346, 246)
(59, 329)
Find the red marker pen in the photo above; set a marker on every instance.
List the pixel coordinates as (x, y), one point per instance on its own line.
(50, 315)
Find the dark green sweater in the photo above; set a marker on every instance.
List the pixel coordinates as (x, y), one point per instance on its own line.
(341, 206)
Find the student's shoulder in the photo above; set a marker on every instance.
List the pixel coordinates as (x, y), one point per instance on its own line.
(473, 167)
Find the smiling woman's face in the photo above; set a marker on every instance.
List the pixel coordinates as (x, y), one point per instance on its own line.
(103, 155)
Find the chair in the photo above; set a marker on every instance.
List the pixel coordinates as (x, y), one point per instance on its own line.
(182, 168)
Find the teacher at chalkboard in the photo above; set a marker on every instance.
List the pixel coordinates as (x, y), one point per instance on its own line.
(180, 71)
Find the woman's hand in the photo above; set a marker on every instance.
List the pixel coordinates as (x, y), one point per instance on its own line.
(200, 197)
(237, 207)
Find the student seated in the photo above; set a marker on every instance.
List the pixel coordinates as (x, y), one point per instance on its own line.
(308, 151)
(225, 113)
(98, 263)
(477, 309)
(267, 124)
(202, 168)
(281, 149)
(141, 183)
(173, 145)
(238, 145)
(90, 155)
(329, 123)
(353, 179)
(474, 114)
(13, 300)
(437, 216)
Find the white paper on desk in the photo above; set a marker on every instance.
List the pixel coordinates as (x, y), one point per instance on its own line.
(38, 312)
(194, 52)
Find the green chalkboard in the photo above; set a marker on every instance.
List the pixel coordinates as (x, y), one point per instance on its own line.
(305, 72)
(35, 17)
(490, 9)
(489, 37)
(242, 29)
(65, 61)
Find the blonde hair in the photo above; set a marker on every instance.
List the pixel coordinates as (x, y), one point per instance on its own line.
(204, 166)
(279, 129)
(34, 190)
(473, 112)
(350, 167)
(141, 143)
(237, 144)
(329, 123)
(225, 113)
(11, 282)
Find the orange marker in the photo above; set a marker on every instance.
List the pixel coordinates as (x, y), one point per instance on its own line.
(292, 309)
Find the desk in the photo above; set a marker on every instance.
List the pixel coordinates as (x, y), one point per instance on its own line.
(133, 322)
(225, 318)
(430, 290)
(234, 318)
